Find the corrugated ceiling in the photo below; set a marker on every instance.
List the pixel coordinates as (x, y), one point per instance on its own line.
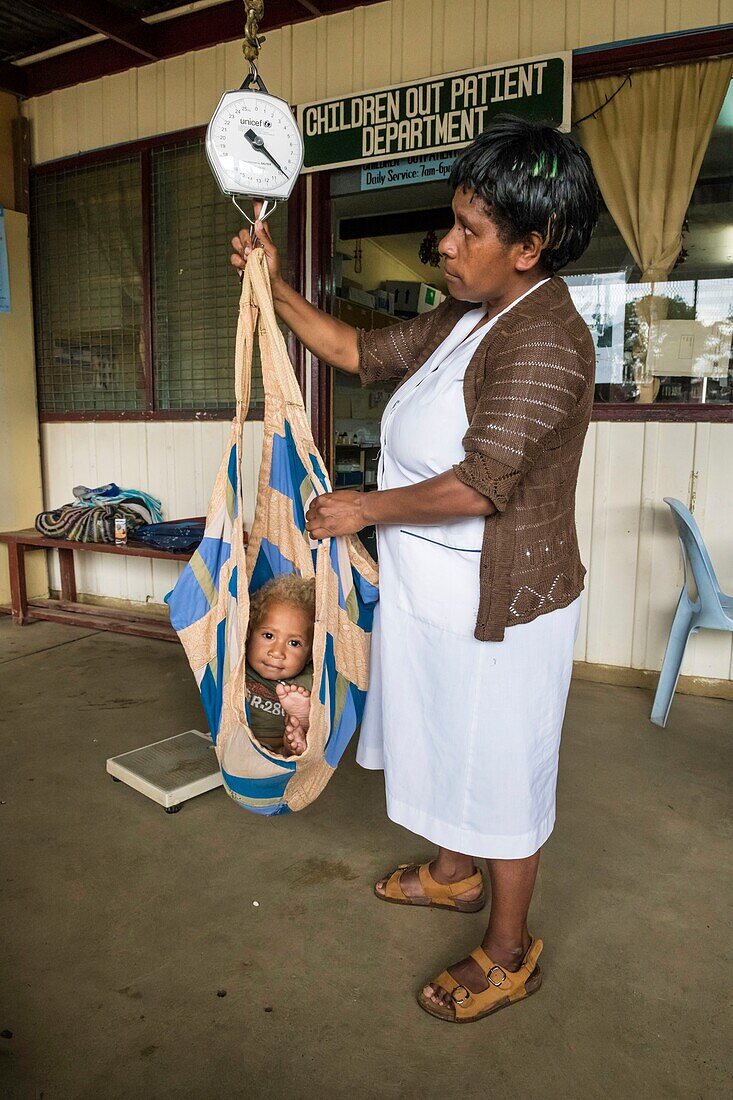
(29, 28)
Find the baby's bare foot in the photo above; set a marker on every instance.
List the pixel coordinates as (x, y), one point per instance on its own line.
(296, 702)
(295, 737)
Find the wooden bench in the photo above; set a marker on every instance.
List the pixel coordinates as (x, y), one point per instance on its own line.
(68, 609)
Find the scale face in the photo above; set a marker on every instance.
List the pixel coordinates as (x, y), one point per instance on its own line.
(254, 146)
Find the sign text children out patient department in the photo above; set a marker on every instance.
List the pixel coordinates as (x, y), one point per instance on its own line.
(444, 112)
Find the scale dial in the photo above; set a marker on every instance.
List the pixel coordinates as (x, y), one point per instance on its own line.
(254, 145)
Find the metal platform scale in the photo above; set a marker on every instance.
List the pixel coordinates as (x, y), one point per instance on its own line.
(170, 771)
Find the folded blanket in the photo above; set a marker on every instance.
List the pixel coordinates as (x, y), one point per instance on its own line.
(91, 517)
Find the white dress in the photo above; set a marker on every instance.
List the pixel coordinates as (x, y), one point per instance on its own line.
(467, 732)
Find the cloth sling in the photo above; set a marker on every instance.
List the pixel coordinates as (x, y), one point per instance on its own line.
(209, 607)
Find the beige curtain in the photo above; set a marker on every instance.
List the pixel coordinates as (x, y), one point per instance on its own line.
(647, 146)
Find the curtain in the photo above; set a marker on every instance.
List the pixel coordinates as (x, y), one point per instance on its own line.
(647, 146)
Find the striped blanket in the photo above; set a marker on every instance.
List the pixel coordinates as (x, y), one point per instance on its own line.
(209, 607)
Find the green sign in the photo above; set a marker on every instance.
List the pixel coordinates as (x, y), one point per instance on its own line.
(426, 116)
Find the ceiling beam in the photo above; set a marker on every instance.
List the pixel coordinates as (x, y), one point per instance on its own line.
(225, 22)
(114, 23)
(13, 79)
(672, 49)
(193, 31)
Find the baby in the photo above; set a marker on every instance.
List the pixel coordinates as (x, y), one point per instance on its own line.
(279, 672)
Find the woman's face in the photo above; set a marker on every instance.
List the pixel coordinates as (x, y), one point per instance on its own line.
(478, 266)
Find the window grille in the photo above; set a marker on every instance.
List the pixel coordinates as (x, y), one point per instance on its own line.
(87, 226)
(88, 288)
(196, 291)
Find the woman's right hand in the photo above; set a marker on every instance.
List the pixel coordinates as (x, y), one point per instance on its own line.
(327, 338)
(242, 248)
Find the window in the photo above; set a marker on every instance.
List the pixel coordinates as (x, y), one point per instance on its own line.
(105, 257)
(88, 288)
(196, 294)
(671, 343)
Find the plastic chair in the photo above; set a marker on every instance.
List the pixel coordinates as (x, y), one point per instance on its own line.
(711, 608)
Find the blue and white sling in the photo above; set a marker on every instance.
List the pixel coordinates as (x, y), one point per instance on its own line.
(209, 606)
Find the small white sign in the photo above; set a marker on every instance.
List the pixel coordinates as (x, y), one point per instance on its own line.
(689, 349)
(398, 173)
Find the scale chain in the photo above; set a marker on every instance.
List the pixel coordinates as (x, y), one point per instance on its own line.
(251, 44)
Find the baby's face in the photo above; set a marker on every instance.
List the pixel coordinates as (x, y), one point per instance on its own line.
(280, 646)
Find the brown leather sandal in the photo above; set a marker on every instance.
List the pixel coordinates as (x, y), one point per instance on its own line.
(504, 988)
(438, 895)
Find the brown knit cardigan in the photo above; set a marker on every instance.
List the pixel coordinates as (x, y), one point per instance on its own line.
(529, 393)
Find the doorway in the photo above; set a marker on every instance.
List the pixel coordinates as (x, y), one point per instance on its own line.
(380, 266)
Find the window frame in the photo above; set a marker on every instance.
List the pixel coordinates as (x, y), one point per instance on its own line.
(296, 276)
(635, 56)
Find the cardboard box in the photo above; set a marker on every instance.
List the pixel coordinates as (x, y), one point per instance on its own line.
(414, 297)
(363, 297)
(385, 300)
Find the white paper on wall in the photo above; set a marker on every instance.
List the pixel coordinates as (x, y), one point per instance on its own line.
(689, 349)
(601, 302)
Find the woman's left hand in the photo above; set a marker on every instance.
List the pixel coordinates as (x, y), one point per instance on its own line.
(339, 513)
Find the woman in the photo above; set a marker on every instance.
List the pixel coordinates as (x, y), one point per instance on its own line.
(480, 575)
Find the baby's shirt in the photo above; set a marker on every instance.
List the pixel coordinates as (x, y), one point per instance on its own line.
(266, 715)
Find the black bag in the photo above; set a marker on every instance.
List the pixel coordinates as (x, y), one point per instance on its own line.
(182, 535)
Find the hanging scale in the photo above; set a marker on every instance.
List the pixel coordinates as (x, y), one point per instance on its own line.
(253, 143)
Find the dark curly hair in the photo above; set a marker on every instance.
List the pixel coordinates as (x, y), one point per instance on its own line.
(533, 179)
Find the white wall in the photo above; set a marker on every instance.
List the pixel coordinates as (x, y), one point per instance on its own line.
(175, 461)
(364, 48)
(629, 544)
(626, 536)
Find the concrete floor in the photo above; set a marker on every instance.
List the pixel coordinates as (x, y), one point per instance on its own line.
(122, 924)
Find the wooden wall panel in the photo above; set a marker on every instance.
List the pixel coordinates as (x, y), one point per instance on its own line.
(88, 105)
(338, 54)
(21, 474)
(150, 82)
(626, 536)
(614, 543)
(547, 26)
(457, 34)
(174, 461)
(416, 49)
(503, 31)
(667, 461)
(681, 15)
(235, 69)
(584, 504)
(392, 45)
(709, 652)
(305, 63)
(364, 48)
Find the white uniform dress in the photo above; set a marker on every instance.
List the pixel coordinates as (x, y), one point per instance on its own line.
(467, 732)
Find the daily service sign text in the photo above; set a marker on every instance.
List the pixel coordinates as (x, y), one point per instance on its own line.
(445, 112)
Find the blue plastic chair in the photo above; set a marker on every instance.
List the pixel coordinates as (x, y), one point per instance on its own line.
(710, 609)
